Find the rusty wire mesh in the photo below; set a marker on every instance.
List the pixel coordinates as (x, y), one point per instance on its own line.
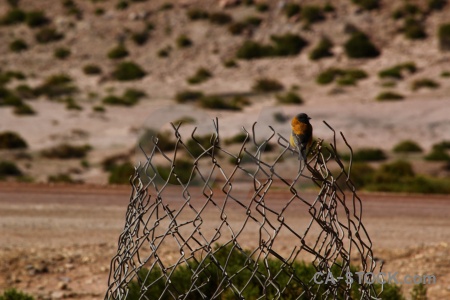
(208, 223)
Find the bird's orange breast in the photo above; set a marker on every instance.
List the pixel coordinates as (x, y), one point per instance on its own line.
(299, 127)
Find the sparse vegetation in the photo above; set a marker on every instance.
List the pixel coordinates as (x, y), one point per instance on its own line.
(367, 4)
(92, 69)
(290, 97)
(13, 294)
(292, 9)
(118, 52)
(61, 53)
(322, 50)
(36, 18)
(445, 74)
(262, 7)
(18, 45)
(66, 151)
(311, 14)
(436, 5)
(129, 98)
(369, 154)
(140, 38)
(164, 52)
(230, 63)
(56, 86)
(407, 146)
(188, 96)
(121, 174)
(220, 18)
(126, 71)
(12, 140)
(236, 139)
(282, 45)
(414, 29)
(267, 85)
(24, 109)
(389, 96)
(444, 37)
(438, 154)
(197, 14)
(182, 169)
(424, 83)
(397, 71)
(342, 77)
(183, 41)
(13, 16)
(360, 46)
(217, 102)
(47, 35)
(122, 5)
(60, 178)
(200, 76)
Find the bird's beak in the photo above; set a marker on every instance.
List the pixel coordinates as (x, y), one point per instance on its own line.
(309, 118)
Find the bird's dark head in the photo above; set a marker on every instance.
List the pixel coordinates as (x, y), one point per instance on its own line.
(303, 118)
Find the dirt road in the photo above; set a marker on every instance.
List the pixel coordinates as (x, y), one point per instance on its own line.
(57, 241)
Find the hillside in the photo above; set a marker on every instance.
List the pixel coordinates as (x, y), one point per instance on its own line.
(97, 72)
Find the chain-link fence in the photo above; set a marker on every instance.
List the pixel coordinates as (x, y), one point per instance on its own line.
(213, 224)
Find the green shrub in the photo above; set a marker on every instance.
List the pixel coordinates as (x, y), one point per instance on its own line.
(61, 53)
(140, 38)
(36, 18)
(205, 142)
(121, 174)
(197, 14)
(71, 104)
(253, 50)
(12, 140)
(99, 11)
(407, 146)
(367, 4)
(188, 96)
(165, 142)
(253, 21)
(328, 76)
(237, 28)
(122, 5)
(288, 44)
(220, 18)
(389, 96)
(292, 9)
(24, 91)
(66, 151)
(211, 278)
(92, 69)
(217, 102)
(267, 85)
(311, 14)
(118, 52)
(414, 29)
(328, 7)
(184, 120)
(8, 98)
(200, 76)
(182, 171)
(290, 97)
(368, 154)
(13, 294)
(437, 154)
(126, 71)
(419, 291)
(166, 6)
(436, 4)
(13, 16)
(397, 71)
(56, 86)
(13, 3)
(18, 45)
(24, 110)
(47, 35)
(236, 139)
(99, 109)
(61, 178)
(323, 49)
(361, 174)
(444, 145)
(424, 83)
(445, 74)
(129, 98)
(262, 7)
(444, 37)
(183, 41)
(360, 46)
(164, 52)
(231, 63)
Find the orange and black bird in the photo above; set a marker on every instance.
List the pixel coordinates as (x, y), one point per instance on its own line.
(301, 135)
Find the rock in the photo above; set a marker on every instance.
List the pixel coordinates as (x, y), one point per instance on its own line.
(57, 295)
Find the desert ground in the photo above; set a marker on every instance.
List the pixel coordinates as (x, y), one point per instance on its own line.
(58, 240)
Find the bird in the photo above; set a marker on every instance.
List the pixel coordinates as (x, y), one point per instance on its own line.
(301, 134)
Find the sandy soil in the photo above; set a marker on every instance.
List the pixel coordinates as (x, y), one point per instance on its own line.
(58, 241)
